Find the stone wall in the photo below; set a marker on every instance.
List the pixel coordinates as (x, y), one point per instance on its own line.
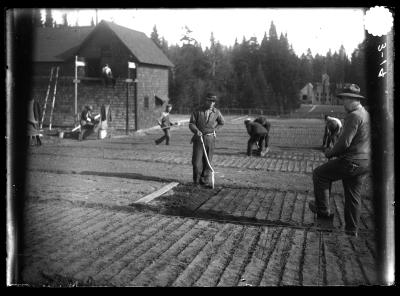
(151, 81)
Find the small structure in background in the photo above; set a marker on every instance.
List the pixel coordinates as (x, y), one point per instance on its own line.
(320, 93)
(307, 94)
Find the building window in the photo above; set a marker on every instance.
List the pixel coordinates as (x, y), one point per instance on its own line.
(146, 102)
(158, 101)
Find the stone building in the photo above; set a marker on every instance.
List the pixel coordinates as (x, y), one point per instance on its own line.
(320, 93)
(135, 103)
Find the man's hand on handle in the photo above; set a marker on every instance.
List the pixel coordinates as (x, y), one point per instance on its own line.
(327, 154)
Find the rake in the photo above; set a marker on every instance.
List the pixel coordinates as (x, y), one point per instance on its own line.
(208, 162)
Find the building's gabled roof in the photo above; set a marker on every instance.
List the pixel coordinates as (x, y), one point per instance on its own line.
(141, 46)
(50, 43)
(59, 44)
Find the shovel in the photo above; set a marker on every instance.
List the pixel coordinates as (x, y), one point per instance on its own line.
(208, 162)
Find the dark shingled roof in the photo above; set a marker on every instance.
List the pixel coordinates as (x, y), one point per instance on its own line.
(50, 43)
(58, 44)
(141, 46)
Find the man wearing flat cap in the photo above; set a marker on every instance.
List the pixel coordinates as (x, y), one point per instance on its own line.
(349, 161)
(203, 124)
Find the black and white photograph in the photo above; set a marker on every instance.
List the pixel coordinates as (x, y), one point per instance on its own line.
(200, 147)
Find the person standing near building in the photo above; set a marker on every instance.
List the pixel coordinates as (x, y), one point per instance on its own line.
(34, 116)
(165, 124)
(107, 75)
(257, 133)
(105, 119)
(333, 128)
(348, 160)
(203, 123)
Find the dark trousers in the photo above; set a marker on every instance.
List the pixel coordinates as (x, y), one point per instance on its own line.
(87, 130)
(258, 139)
(166, 137)
(201, 170)
(352, 173)
(265, 139)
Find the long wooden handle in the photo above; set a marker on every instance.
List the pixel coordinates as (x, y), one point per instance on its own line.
(205, 152)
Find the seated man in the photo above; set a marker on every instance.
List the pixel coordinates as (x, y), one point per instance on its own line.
(333, 128)
(88, 123)
(257, 133)
(265, 123)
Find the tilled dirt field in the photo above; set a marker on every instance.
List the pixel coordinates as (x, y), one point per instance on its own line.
(87, 223)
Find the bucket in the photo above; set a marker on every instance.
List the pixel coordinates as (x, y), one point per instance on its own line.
(61, 135)
(102, 134)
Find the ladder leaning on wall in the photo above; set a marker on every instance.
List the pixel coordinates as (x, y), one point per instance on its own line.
(47, 96)
(54, 98)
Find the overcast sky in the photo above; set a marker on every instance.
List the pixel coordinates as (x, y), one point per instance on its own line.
(315, 28)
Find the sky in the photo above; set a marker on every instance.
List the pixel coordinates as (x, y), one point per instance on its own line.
(320, 29)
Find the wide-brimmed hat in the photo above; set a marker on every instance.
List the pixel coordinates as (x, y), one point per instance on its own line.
(211, 96)
(351, 91)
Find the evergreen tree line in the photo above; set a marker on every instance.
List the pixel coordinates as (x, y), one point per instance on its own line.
(50, 22)
(266, 75)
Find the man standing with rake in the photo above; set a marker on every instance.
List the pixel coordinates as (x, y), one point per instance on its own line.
(203, 123)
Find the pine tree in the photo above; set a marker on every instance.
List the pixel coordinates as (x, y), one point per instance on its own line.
(273, 35)
(37, 18)
(49, 19)
(64, 20)
(357, 71)
(154, 36)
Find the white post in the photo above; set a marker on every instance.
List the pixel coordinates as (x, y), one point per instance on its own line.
(76, 86)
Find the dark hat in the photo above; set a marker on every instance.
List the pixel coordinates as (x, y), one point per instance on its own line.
(247, 121)
(350, 90)
(211, 96)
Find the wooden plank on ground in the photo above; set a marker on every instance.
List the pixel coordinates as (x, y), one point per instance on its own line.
(157, 193)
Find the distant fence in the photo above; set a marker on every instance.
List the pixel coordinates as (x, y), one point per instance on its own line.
(235, 111)
(303, 112)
